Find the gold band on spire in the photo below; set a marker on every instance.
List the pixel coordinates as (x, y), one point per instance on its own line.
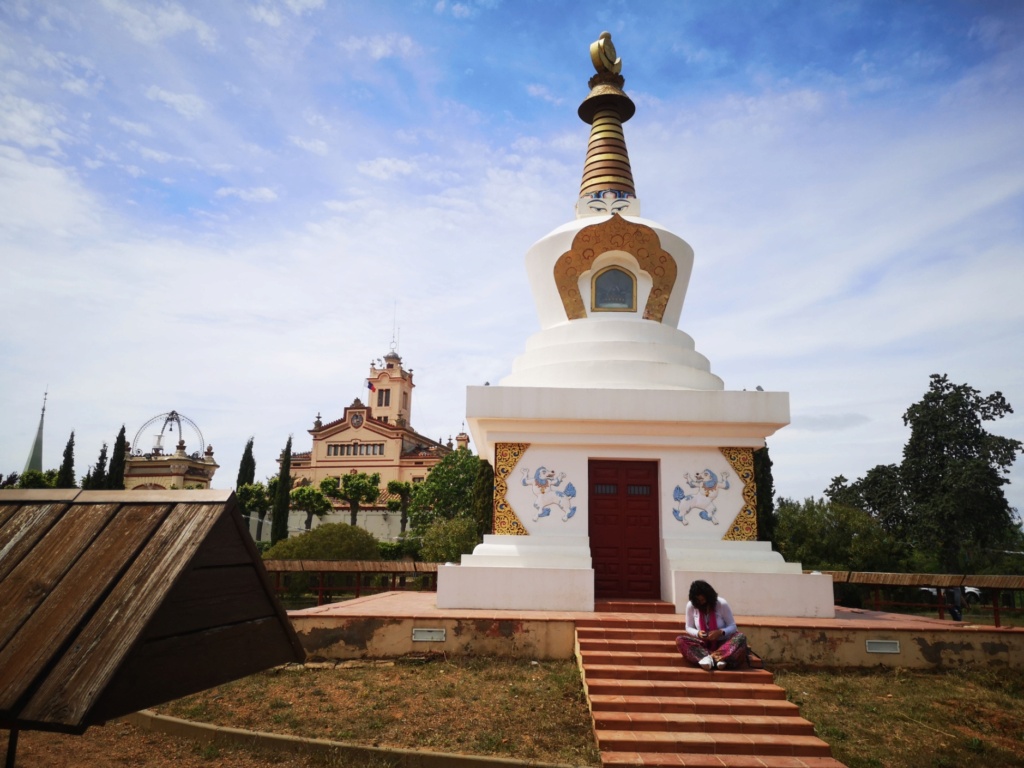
(607, 107)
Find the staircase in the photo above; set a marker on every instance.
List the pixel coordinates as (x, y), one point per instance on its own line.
(652, 708)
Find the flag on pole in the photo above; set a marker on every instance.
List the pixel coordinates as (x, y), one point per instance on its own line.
(369, 386)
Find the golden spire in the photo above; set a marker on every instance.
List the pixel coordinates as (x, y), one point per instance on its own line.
(606, 109)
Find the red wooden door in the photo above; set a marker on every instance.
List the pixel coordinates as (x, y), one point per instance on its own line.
(623, 521)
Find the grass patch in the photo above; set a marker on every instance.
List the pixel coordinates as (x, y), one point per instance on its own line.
(901, 718)
(484, 706)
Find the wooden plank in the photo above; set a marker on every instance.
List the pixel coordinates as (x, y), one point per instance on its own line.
(177, 666)
(77, 680)
(211, 597)
(243, 535)
(23, 530)
(6, 511)
(223, 546)
(44, 635)
(198, 496)
(36, 495)
(41, 570)
(994, 582)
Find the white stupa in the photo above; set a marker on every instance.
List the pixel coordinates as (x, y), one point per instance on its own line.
(623, 468)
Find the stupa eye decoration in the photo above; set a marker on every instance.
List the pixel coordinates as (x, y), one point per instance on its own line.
(613, 290)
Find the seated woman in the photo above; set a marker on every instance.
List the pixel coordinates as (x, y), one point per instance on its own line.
(711, 638)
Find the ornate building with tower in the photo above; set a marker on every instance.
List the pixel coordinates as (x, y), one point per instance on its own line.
(623, 467)
(373, 437)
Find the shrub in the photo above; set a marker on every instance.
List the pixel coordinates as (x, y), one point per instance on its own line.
(445, 540)
(332, 541)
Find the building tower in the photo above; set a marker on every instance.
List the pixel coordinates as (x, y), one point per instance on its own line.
(35, 456)
(623, 468)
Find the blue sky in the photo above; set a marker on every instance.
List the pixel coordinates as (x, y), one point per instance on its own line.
(221, 208)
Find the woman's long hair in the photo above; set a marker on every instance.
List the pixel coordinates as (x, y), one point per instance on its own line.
(703, 588)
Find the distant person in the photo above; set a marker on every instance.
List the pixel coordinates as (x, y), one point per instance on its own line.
(954, 604)
(711, 640)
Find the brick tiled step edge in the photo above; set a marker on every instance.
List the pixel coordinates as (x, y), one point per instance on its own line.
(691, 689)
(633, 606)
(688, 673)
(669, 760)
(669, 704)
(704, 723)
(779, 745)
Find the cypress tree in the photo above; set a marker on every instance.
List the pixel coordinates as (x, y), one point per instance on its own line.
(279, 521)
(115, 477)
(66, 475)
(246, 467)
(765, 485)
(97, 476)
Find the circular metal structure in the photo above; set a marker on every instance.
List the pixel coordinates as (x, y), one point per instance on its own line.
(168, 422)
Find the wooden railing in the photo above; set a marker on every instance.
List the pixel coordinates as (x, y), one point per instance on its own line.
(389, 575)
(996, 585)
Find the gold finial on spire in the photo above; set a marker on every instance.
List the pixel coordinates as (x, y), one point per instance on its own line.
(602, 53)
(607, 176)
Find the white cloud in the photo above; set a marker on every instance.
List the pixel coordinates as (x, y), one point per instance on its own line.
(542, 92)
(385, 168)
(29, 124)
(250, 194)
(381, 47)
(148, 23)
(131, 127)
(265, 14)
(315, 146)
(302, 6)
(187, 105)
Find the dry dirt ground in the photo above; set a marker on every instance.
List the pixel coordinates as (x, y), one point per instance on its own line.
(119, 745)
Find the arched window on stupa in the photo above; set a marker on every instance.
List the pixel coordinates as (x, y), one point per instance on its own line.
(613, 289)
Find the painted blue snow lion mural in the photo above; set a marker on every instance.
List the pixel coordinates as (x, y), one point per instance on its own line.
(702, 490)
(546, 485)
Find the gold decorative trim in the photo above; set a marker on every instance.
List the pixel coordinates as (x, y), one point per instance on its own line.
(744, 527)
(506, 456)
(616, 234)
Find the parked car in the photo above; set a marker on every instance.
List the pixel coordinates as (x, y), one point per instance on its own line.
(971, 594)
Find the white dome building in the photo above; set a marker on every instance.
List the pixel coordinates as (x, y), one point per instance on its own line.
(623, 468)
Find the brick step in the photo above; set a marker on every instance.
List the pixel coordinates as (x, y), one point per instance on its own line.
(712, 743)
(633, 606)
(682, 722)
(688, 673)
(685, 688)
(621, 625)
(668, 632)
(627, 646)
(666, 759)
(651, 659)
(697, 705)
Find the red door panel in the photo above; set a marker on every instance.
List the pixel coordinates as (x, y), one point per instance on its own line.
(623, 521)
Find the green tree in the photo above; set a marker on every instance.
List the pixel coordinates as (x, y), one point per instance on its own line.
(446, 540)
(115, 476)
(246, 467)
(66, 473)
(403, 491)
(826, 535)
(483, 498)
(11, 481)
(765, 486)
(446, 492)
(96, 478)
(282, 498)
(255, 502)
(953, 473)
(356, 489)
(311, 501)
(331, 541)
(33, 478)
